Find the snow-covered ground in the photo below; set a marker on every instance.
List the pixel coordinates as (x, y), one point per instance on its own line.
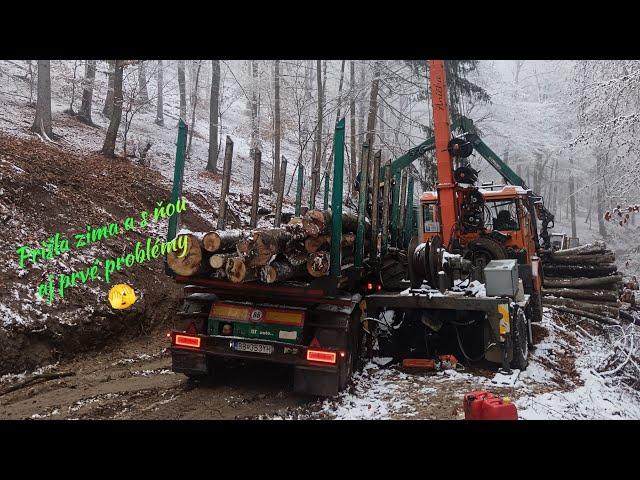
(547, 389)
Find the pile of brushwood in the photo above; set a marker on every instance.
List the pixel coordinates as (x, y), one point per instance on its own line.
(585, 281)
(298, 250)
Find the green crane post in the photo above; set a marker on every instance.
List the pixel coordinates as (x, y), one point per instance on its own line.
(395, 210)
(362, 206)
(408, 223)
(178, 174)
(336, 199)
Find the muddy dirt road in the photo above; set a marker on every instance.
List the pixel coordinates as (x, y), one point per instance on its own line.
(135, 382)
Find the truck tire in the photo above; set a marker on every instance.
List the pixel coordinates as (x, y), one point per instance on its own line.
(520, 341)
(535, 307)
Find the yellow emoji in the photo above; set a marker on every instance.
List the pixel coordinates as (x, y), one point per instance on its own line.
(121, 296)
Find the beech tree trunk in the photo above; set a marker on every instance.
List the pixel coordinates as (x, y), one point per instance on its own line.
(159, 104)
(222, 240)
(590, 271)
(581, 282)
(42, 121)
(182, 86)
(352, 128)
(315, 174)
(281, 270)
(109, 146)
(108, 102)
(214, 117)
(605, 295)
(276, 127)
(84, 115)
(238, 272)
(596, 259)
(194, 262)
(142, 83)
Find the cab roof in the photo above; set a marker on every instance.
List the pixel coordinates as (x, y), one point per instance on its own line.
(508, 191)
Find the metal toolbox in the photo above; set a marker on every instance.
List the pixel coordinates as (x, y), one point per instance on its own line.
(501, 278)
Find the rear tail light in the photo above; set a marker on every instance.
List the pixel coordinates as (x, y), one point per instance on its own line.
(187, 341)
(321, 356)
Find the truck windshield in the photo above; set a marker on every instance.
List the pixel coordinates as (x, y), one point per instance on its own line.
(430, 218)
(502, 215)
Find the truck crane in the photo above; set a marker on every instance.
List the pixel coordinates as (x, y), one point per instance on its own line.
(325, 328)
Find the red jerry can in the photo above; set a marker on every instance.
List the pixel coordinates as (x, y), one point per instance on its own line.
(473, 402)
(481, 405)
(499, 409)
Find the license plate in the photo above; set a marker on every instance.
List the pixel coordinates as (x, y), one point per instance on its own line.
(253, 347)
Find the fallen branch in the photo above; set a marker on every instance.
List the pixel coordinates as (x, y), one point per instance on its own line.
(38, 378)
(582, 313)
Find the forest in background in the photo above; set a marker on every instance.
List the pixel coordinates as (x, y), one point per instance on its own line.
(567, 127)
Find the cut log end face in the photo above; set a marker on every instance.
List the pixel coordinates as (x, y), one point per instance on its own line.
(191, 262)
(211, 242)
(236, 270)
(318, 264)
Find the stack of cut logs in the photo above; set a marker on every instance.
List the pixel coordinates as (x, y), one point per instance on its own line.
(298, 250)
(584, 281)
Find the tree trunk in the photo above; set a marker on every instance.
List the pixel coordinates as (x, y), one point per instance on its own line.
(254, 106)
(226, 180)
(214, 117)
(219, 260)
(182, 86)
(352, 127)
(84, 115)
(590, 271)
(361, 113)
(572, 200)
(194, 105)
(109, 146)
(222, 240)
(281, 270)
(276, 127)
(159, 103)
(108, 102)
(604, 295)
(238, 271)
(582, 305)
(318, 264)
(583, 259)
(329, 165)
(600, 195)
(581, 282)
(255, 195)
(194, 262)
(42, 121)
(315, 173)
(323, 242)
(142, 83)
(587, 249)
(583, 313)
(373, 111)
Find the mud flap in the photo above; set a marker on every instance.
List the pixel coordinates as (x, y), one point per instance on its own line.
(315, 381)
(189, 362)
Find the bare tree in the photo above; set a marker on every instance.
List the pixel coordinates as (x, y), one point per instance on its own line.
(214, 117)
(276, 126)
(254, 106)
(42, 122)
(315, 179)
(183, 90)
(108, 101)
(109, 146)
(84, 115)
(194, 104)
(159, 102)
(142, 82)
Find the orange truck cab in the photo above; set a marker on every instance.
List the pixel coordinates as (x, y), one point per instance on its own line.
(505, 211)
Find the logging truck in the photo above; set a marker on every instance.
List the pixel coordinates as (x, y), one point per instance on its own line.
(320, 293)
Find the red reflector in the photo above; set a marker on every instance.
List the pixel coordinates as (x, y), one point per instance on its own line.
(321, 356)
(422, 363)
(369, 286)
(188, 341)
(379, 287)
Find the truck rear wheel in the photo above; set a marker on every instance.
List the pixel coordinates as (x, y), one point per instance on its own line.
(354, 359)
(520, 341)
